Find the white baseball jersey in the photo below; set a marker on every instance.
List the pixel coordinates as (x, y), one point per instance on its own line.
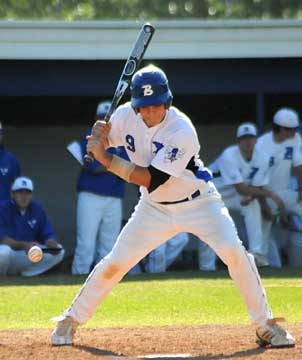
(282, 157)
(234, 169)
(168, 146)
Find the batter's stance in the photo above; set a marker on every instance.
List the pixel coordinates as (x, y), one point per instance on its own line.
(177, 195)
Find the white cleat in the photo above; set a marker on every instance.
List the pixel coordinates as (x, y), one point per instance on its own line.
(64, 331)
(274, 335)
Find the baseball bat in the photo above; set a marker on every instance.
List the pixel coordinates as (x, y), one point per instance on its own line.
(134, 59)
(53, 251)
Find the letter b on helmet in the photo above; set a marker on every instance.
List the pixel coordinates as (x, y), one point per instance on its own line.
(150, 87)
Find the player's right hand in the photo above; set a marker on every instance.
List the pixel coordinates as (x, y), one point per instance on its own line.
(97, 142)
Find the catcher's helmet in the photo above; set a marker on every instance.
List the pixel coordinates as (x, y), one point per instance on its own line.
(149, 86)
(102, 109)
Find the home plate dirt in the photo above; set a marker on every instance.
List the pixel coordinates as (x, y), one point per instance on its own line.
(207, 342)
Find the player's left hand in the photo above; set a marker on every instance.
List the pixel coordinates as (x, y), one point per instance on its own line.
(101, 129)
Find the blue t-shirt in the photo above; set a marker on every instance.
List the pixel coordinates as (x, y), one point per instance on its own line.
(9, 171)
(103, 183)
(33, 225)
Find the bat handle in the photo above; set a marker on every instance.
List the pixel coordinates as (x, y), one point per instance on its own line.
(88, 158)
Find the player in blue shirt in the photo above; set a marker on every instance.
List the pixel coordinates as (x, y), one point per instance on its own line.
(99, 207)
(23, 224)
(9, 170)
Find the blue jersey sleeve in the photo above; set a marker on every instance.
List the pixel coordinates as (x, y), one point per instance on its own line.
(121, 152)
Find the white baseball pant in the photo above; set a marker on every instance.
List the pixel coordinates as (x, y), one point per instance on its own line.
(99, 220)
(152, 224)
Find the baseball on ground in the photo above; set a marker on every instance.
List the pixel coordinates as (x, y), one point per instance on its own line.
(35, 254)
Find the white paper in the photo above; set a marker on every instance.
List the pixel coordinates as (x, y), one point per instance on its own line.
(75, 150)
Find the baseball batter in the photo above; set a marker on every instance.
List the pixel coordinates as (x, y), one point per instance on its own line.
(177, 195)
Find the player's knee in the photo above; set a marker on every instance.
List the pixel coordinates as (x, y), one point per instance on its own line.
(111, 266)
(111, 270)
(233, 254)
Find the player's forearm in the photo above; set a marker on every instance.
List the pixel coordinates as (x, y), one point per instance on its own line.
(140, 176)
(14, 244)
(105, 158)
(258, 192)
(247, 190)
(126, 170)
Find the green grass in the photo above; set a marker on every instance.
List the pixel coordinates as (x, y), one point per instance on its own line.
(164, 299)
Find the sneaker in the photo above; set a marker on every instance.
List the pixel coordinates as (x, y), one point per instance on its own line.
(261, 260)
(272, 334)
(64, 331)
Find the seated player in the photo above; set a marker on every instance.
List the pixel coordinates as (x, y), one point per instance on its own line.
(23, 224)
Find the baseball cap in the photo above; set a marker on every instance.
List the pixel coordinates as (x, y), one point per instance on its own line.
(102, 108)
(246, 129)
(23, 183)
(286, 118)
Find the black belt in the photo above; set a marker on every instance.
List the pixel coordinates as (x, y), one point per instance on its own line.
(193, 196)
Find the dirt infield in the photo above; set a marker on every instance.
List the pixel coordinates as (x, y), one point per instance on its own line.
(197, 342)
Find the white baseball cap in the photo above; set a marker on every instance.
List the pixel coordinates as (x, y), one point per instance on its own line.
(287, 118)
(23, 183)
(246, 129)
(103, 108)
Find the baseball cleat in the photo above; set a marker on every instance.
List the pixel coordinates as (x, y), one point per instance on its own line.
(274, 335)
(64, 331)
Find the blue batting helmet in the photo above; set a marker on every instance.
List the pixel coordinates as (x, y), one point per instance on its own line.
(149, 86)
